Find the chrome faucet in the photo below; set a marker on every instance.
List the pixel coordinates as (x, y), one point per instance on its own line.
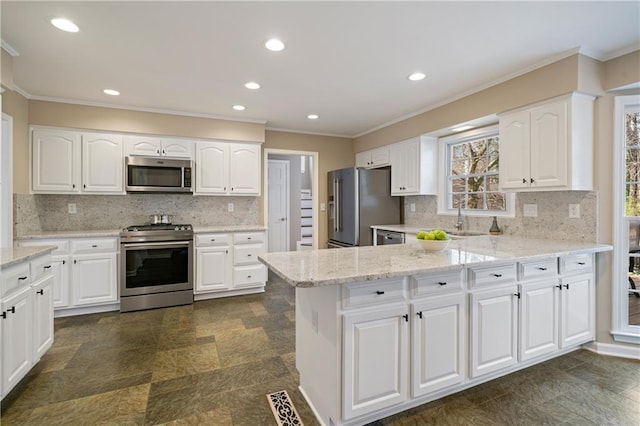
(460, 223)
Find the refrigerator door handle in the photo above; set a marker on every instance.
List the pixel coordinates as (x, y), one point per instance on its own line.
(338, 206)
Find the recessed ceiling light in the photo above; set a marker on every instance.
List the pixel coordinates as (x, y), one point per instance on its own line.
(461, 128)
(274, 45)
(313, 116)
(239, 107)
(252, 85)
(65, 25)
(416, 76)
(111, 92)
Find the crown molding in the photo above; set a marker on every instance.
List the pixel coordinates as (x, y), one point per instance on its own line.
(303, 132)
(8, 48)
(19, 90)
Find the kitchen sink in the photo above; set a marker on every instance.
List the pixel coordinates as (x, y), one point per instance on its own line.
(457, 233)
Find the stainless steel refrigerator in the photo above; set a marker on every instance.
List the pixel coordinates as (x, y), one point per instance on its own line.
(359, 198)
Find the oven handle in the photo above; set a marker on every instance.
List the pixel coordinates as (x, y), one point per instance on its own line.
(158, 244)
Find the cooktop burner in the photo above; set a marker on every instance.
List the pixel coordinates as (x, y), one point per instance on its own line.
(160, 227)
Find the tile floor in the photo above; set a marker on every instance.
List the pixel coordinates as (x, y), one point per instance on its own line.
(213, 362)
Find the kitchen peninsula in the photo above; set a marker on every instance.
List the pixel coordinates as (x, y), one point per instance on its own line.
(382, 329)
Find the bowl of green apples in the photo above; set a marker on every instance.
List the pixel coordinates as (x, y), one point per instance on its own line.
(436, 240)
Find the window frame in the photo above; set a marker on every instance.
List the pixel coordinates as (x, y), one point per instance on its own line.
(621, 331)
(445, 162)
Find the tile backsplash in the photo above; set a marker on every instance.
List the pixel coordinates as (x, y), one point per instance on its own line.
(552, 222)
(38, 213)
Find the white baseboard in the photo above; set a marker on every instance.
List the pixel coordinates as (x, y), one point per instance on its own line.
(622, 351)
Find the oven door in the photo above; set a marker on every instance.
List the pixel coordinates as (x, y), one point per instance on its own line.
(156, 267)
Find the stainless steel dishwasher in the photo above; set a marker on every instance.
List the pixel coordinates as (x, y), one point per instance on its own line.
(389, 237)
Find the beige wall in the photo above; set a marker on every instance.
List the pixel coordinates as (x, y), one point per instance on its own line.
(17, 107)
(6, 70)
(622, 71)
(334, 153)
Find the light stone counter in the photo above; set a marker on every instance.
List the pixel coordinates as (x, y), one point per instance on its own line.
(228, 228)
(412, 230)
(12, 256)
(50, 235)
(314, 268)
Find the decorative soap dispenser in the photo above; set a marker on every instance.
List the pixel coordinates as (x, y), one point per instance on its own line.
(495, 229)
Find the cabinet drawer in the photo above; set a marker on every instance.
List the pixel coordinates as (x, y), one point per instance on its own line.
(40, 267)
(576, 264)
(422, 285)
(103, 245)
(63, 245)
(247, 254)
(14, 277)
(210, 240)
(489, 275)
(249, 276)
(356, 295)
(248, 237)
(538, 268)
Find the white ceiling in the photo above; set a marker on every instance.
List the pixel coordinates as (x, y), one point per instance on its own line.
(346, 61)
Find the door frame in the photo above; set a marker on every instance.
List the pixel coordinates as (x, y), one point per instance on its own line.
(6, 198)
(287, 163)
(314, 186)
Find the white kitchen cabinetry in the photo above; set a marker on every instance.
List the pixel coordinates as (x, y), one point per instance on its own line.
(154, 146)
(379, 157)
(375, 363)
(68, 162)
(539, 318)
(213, 263)
(494, 329)
(228, 262)
(26, 319)
(414, 167)
(548, 146)
(577, 316)
(85, 273)
(224, 168)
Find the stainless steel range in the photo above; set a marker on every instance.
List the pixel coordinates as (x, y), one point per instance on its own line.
(156, 266)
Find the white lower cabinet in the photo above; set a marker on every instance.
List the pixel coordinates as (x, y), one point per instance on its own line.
(438, 349)
(229, 261)
(60, 270)
(539, 318)
(26, 318)
(375, 363)
(494, 329)
(93, 279)
(577, 314)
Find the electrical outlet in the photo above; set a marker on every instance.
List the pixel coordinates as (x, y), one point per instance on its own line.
(230, 207)
(413, 207)
(574, 211)
(530, 210)
(323, 207)
(71, 208)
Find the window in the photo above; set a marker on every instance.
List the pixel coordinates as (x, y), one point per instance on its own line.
(626, 276)
(471, 164)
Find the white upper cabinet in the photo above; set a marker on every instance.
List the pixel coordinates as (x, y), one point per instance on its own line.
(414, 167)
(548, 146)
(154, 146)
(102, 163)
(67, 162)
(55, 161)
(374, 158)
(224, 168)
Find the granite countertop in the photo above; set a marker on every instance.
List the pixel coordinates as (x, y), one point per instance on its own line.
(314, 268)
(228, 228)
(410, 229)
(11, 256)
(70, 234)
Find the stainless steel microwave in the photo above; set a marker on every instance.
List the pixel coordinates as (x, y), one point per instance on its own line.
(157, 174)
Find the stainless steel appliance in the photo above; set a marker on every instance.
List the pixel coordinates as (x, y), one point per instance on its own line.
(359, 198)
(155, 174)
(156, 266)
(389, 237)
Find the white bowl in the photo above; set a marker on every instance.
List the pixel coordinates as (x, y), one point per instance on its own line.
(434, 245)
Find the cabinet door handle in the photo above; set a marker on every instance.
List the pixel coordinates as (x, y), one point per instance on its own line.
(73, 185)
(47, 267)
(64, 262)
(497, 275)
(213, 239)
(532, 180)
(379, 292)
(249, 276)
(524, 180)
(406, 317)
(441, 283)
(566, 286)
(40, 292)
(542, 269)
(559, 286)
(94, 245)
(226, 251)
(163, 153)
(22, 278)
(248, 255)
(4, 315)
(75, 261)
(419, 314)
(582, 263)
(517, 295)
(158, 151)
(12, 310)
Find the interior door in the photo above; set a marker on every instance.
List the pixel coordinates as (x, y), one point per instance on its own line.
(278, 187)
